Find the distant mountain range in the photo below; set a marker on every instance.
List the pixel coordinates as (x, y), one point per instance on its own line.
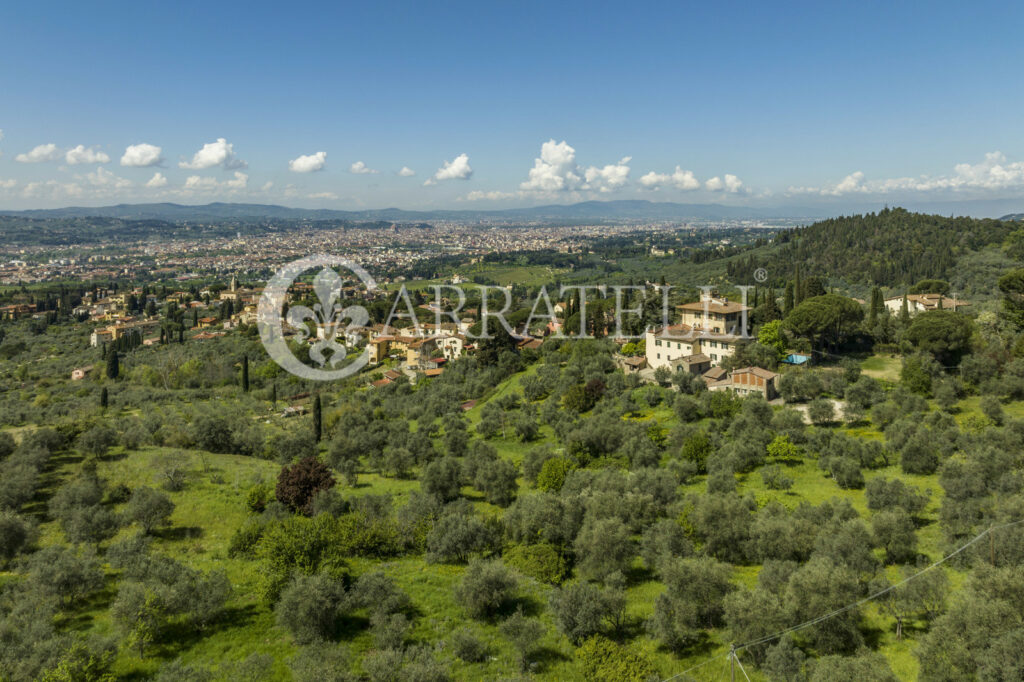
(597, 211)
(634, 209)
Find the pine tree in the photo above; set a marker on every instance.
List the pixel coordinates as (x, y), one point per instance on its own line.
(104, 398)
(317, 418)
(113, 368)
(245, 373)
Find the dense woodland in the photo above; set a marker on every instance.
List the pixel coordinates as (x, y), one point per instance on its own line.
(525, 515)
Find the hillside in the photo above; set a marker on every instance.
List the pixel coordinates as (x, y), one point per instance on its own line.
(586, 500)
(893, 247)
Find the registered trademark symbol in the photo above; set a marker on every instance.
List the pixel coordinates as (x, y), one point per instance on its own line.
(761, 275)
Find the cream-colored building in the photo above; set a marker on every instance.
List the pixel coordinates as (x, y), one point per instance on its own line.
(717, 315)
(921, 303)
(675, 344)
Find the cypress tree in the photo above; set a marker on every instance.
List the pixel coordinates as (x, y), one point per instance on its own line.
(273, 395)
(905, 311)
(245, 373)
(113, 368)
(104, 398)
(788, 299)
(317, 418)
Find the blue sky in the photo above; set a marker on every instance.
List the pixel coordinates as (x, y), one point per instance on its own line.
(755, 103)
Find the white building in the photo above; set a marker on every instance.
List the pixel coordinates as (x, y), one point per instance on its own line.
(920, 303)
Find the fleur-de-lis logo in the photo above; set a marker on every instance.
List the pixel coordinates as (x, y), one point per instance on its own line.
(327, 316)
(325, 319)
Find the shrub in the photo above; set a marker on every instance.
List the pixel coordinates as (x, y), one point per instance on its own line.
(496, 479)
(541, 562)
(603, 547)
(552, 474)
(525, 634)
(442, 479)
(245, 539)
(847, 473)
(310, 606)
(299, 483)
(663, 540)
(580, 610)
(487, 588)
(455, 537)
(97, 440)
(775, 478)
(149, 508)
(322, 663)
(467, 647)
(602, 660)
(821, 411)
(258, 496)
(16, 534)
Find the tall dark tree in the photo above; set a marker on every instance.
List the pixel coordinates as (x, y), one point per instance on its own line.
(104, 398)
(245, 373)
(113, 367)
(317, 418)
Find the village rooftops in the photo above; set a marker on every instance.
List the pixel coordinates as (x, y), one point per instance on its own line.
(757, 371)
(930, 301)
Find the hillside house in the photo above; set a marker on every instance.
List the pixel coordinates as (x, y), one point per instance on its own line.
(748, 381)
(922, 303)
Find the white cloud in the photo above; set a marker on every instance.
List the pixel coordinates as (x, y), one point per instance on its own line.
(993, 174)
(322, 195)
(8, 184)
(40, 153)
(220, 153)
(101, 177)
(197, 183)
(360, 168)
(406, 172)
(241, 181)
(267, 186)
(81, 154)
(308, 163)
(609, 178)
(158, 180)
(478, 195)
(554, 171)
(142, 155)
(456, 169)
(680, 179)
(731, 184)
